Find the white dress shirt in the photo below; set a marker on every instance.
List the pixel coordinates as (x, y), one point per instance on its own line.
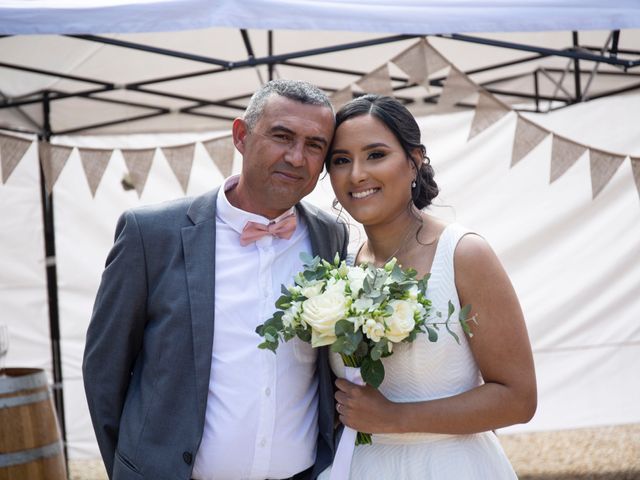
(262, 413)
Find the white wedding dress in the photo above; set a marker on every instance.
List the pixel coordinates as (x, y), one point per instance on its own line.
(424, 371)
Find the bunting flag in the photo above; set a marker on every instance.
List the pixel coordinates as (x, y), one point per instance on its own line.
(12, 149)
(53, 158)
(94, 162)
(435, 60)
(378, 81)
(180, 160)
(564, 153)
(457, 87)
(635, 168)
(528, 135)
(488, 111)
(221, 150)
(419, 61)
(603, 166)
(138, 164)
(340, 97)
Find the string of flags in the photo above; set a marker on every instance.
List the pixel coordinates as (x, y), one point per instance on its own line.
(53, 159)
(419, 62)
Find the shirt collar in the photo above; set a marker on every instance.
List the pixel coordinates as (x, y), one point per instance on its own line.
(235, 217)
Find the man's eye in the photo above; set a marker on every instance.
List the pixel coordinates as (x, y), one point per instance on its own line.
(281, 137)
(315, 147)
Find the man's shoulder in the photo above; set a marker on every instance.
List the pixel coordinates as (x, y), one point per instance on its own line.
(327, 219)
(176, 211)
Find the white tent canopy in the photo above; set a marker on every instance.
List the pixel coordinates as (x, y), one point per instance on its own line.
(572, 258)
(400, 16)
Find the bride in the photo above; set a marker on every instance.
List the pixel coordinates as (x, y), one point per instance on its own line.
(434, 414)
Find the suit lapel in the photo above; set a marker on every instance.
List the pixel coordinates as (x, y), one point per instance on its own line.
(199, 247)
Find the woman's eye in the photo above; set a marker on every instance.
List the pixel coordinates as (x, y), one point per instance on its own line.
(339, 160)
(375, 155)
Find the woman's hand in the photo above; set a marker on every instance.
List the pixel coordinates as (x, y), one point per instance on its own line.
(365, 409)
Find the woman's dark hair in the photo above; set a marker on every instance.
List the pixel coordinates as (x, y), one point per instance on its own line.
(403, 125)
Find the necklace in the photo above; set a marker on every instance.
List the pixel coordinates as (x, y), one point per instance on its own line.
(401, 245)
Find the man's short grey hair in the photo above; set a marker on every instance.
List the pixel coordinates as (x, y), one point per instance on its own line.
(296, 90)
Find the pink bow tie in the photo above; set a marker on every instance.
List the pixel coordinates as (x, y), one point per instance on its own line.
(283, 228)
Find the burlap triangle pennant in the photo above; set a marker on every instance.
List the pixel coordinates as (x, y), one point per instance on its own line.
(340, 97)
(528, 135)
(435, 60)
(94, 163)
(488, 111)
(53, 158)
(603, 166)
(180, 160)
(12, 149)
(457, 87)
(378, 81)
(221, 150)
(413, 62)
(635, 168)
(564, 153)
(138, 163)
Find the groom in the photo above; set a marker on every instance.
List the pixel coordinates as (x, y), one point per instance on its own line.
(176, 385)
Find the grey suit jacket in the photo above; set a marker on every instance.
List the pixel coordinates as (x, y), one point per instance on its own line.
(147, 358)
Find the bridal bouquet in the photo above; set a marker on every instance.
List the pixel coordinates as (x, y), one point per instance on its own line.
(359, 311)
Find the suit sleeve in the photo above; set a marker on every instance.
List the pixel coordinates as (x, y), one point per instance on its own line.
(114, 336)
(345, 241)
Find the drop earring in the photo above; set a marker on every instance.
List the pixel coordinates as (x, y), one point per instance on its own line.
(413, 183)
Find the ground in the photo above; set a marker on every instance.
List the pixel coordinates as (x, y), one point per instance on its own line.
(607, 453)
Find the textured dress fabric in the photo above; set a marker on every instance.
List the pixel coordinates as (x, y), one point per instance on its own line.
(423, 370)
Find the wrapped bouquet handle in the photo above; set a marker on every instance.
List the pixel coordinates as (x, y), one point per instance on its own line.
(344, 453)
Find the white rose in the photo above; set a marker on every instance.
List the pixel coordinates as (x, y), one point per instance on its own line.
(356, 276)
(337, 286)
(321, 313)
(312, 290)
(401, 321)
(373, 330)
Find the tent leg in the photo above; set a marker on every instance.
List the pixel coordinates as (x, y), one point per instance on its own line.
(52, 290)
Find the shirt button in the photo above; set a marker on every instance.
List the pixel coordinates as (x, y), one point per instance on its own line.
(267, 391)
(263, 442)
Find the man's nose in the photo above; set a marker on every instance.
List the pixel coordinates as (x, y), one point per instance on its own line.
(295, 154)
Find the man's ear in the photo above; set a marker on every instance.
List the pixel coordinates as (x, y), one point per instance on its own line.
(239, 132)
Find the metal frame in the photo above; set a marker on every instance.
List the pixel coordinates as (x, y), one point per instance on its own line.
(576, 54)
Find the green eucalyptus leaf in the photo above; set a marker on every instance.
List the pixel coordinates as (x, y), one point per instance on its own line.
(433, 335)
(343, 327)
(372, 372)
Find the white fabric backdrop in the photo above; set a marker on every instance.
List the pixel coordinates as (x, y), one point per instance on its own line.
(400, 16)
(573, 260)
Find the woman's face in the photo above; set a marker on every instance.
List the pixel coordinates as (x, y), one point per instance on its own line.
(369, 171)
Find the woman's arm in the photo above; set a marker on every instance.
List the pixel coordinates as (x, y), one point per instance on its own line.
(501, 348)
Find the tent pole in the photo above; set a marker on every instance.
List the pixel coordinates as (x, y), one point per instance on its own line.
(576, 68)
(52, 285)
(270, 52)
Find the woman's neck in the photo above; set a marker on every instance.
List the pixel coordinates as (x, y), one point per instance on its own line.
(390, 239)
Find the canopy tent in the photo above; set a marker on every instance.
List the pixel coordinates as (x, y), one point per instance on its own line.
(64, 84)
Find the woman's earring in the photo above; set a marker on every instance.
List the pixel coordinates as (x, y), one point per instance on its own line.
(413, 184)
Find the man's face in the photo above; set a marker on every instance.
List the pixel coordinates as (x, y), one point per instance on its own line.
(283, 155)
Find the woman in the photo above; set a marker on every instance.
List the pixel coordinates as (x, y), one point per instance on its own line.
(433, 415)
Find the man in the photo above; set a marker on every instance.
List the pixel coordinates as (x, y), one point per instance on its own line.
(176, 385)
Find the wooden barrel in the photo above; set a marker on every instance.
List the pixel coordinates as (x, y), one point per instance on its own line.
(30, 445)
